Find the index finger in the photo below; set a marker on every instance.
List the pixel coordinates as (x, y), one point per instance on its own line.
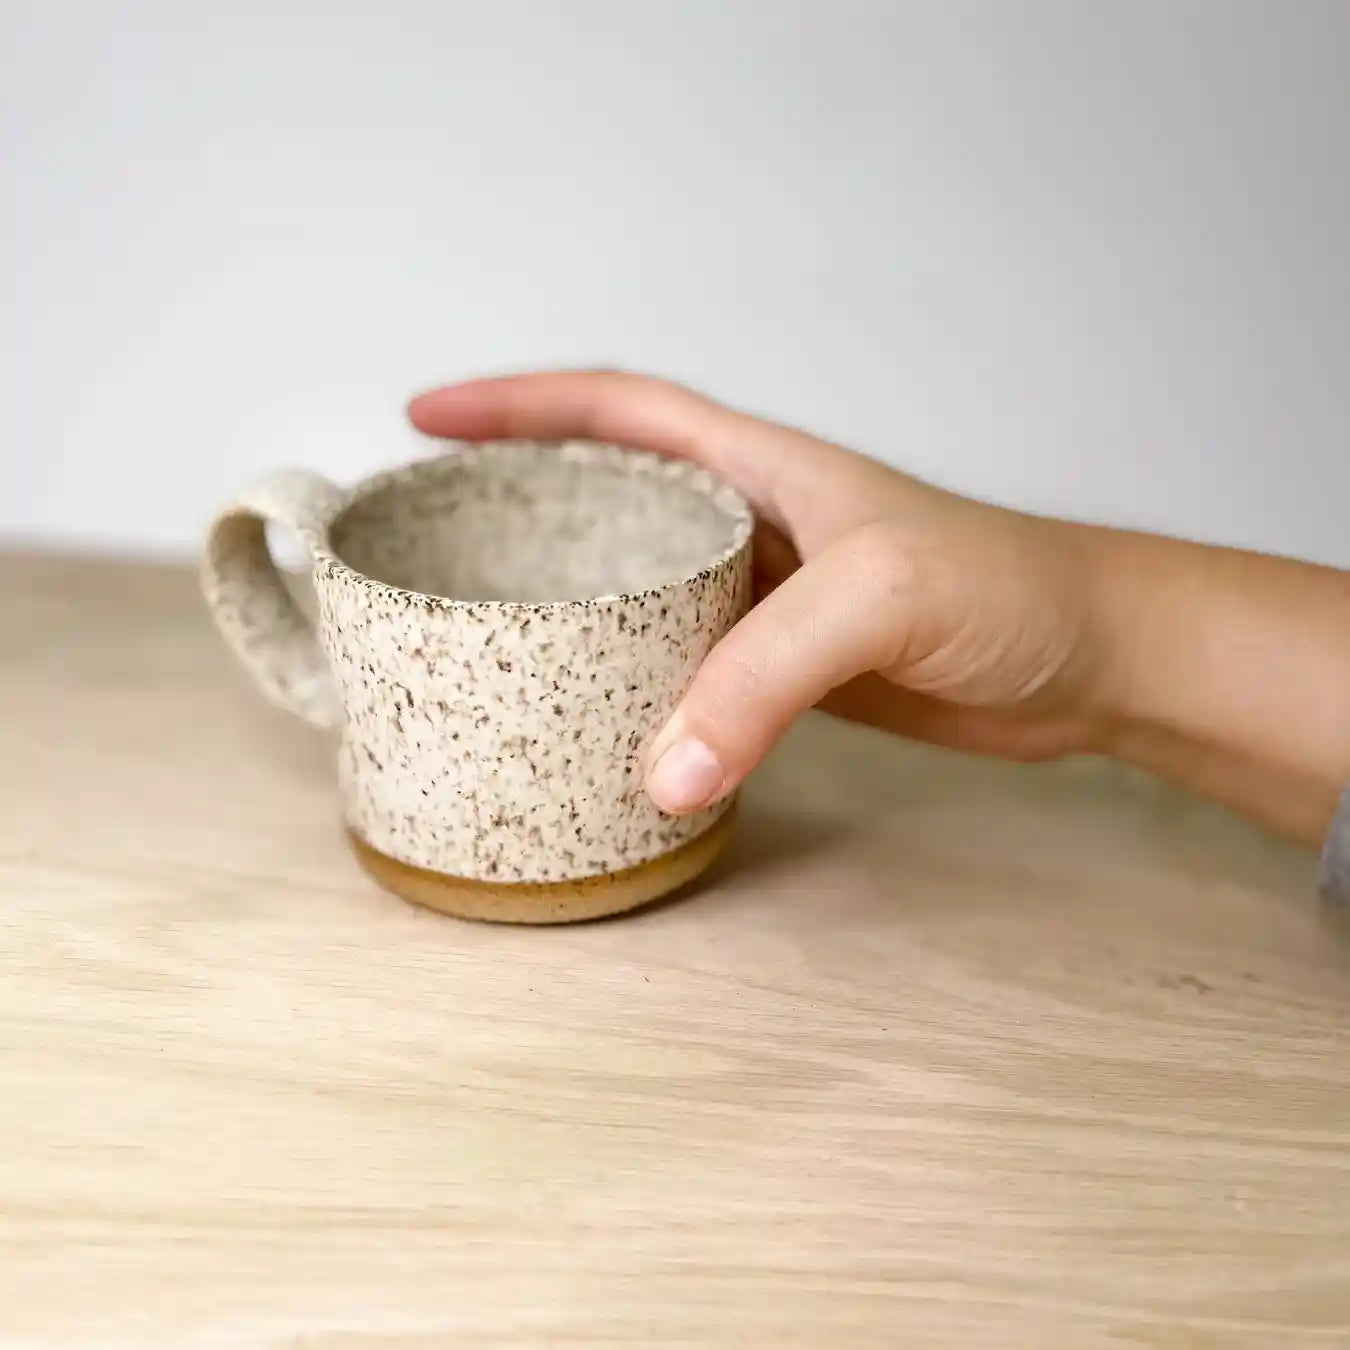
(777, 469)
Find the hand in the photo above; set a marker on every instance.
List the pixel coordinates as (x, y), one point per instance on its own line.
(887, 601)
(879, 598)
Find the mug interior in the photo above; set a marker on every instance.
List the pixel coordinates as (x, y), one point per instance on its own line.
(531, 523)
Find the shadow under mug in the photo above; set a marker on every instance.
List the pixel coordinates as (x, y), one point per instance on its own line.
(502, 629)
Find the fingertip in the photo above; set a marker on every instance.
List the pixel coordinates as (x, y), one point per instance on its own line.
(415, 409)
(688, 776)
(469, 410)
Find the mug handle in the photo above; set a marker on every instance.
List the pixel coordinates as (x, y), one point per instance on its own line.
(251, 604)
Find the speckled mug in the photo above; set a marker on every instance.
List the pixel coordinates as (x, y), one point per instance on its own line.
(502, 629)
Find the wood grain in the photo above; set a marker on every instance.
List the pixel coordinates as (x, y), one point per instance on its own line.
(948, 1053)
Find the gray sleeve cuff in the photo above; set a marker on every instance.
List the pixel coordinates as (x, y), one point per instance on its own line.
(1334, 881)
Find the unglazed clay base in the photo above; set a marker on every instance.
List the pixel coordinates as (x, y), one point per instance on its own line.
(547, 902)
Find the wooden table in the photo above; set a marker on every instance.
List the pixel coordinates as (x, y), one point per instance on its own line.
(949, 1053)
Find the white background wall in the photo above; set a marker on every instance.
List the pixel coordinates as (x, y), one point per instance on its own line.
(1088, 257)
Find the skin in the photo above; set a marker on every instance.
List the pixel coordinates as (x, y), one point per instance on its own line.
(885, 600)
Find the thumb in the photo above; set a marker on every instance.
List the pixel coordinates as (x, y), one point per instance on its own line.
(842, 613)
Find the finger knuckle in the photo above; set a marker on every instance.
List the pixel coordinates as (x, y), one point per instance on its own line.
(884, 559)
(734, 679)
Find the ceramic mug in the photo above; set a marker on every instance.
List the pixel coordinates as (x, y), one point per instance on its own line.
(502, 630)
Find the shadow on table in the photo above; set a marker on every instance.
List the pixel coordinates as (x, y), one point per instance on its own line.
(766, 837)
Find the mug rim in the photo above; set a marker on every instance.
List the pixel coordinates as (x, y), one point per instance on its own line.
(714, 486)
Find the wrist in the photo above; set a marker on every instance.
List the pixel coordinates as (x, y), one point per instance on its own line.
(1112, 692)
(1227, 672)
(1133, 614)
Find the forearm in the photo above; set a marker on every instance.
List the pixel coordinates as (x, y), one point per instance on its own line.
(1229, 674)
